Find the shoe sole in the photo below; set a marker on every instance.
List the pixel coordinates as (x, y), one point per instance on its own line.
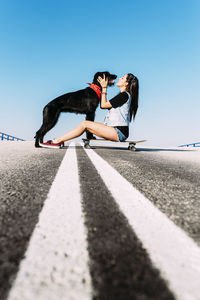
(51, 147)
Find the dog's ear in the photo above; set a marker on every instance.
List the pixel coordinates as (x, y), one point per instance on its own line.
(96, 77)
(107, 74)
(101, 75)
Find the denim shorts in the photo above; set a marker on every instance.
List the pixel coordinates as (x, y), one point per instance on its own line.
(121, 136)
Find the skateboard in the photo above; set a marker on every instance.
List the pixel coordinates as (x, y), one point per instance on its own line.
(131, 145)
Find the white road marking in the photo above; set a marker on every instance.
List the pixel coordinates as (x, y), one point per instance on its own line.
(56, 261)
(171, 250)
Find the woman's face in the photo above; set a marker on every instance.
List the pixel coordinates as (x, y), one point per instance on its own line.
(122, 81)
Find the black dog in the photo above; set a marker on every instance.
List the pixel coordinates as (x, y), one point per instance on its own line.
(80, 102)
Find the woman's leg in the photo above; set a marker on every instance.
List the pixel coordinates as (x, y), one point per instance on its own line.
(96, 128)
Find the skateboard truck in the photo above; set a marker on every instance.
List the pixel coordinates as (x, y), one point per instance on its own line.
(131, 145)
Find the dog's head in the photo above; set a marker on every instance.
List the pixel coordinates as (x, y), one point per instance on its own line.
(111, 78)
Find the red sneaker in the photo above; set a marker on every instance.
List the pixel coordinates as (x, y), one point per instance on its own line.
(50, 144)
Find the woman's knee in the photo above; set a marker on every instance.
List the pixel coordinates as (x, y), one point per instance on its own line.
(85, 124)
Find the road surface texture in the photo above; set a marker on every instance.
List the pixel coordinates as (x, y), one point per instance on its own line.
(103, 223)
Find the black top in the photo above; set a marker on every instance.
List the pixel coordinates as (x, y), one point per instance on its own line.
(117, 101)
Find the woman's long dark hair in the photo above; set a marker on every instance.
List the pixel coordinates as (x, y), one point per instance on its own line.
(133, 89)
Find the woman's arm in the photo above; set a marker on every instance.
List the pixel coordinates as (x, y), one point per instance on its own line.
(104, 102)
(104, 84)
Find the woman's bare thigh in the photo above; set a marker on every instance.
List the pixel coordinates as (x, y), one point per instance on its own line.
(102, 130)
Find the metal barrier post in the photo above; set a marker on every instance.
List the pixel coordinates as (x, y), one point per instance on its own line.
(193, 145)
(4, 136)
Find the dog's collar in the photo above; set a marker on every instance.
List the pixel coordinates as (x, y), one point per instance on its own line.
(96, 88)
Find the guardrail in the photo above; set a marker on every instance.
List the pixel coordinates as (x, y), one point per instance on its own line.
(7, 137)
(193, 145)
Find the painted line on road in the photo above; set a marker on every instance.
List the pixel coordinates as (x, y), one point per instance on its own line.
(56, 261)
(170, 249)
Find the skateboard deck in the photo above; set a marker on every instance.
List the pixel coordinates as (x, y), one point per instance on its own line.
(131, 145)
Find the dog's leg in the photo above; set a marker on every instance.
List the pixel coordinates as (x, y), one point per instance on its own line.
(90, 117)
(50, 118)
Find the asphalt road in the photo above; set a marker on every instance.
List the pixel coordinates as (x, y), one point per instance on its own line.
(170, 179)
(26, 176)
(119, 265)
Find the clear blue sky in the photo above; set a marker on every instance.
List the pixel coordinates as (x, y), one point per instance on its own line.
(49, 48)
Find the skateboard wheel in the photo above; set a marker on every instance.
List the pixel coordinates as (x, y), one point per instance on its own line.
(131, 148)
(87, 146)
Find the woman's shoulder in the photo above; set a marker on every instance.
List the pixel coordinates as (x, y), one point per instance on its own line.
(119, 100)
(124, 95)
(127, 93)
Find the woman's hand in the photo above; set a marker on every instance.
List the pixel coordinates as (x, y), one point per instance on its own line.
(103, 81)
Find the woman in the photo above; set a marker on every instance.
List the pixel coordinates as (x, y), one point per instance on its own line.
(122, 108)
